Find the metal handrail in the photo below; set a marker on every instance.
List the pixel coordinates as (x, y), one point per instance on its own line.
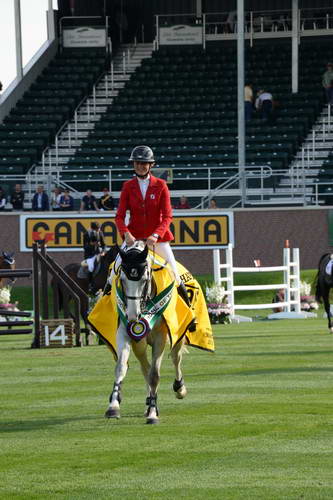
(255, 173)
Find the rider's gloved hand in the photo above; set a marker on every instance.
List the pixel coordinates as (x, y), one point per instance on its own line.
(129, 239)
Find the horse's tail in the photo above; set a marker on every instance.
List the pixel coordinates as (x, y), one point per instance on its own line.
(318, 289)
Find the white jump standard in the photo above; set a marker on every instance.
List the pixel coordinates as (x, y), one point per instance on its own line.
(291, 285)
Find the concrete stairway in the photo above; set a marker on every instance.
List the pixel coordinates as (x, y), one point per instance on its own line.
(299, 183)
(90, 111)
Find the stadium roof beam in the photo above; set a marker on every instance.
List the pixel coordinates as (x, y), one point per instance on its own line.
(51, 34)
(198, 8)
(18, 39)
(241, 104)
(294, 47)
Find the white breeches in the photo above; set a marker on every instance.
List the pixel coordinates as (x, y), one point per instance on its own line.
(164, 250)
(91, 263)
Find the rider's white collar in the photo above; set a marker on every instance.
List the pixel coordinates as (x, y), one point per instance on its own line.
(144, 183)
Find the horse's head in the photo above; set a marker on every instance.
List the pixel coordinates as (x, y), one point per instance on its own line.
(135, 276)
(7, 261)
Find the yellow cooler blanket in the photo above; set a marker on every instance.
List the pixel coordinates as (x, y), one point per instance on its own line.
(104, 316)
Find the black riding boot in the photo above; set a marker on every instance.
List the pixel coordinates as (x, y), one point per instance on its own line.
(181, 289)
(91, 283)
(107, 288)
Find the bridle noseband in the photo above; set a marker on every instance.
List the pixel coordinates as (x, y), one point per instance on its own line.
(134, 271)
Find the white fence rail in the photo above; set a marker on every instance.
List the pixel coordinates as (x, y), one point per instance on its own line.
(290, 285)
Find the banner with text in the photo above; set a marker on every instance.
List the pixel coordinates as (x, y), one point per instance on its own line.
(180, 34)
(192, 230)
(84, 36)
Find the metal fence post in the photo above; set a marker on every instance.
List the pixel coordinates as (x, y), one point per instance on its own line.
(36, 302)
(56, 149)
(94, 99)
(124, 63)
(75, 124)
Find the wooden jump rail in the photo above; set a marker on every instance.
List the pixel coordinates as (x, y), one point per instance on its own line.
(15, 273)
(43, 265)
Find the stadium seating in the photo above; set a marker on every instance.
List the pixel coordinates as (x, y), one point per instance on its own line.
(49, 102)
(183, 103)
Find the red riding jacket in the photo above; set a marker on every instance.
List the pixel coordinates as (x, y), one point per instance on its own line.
(147, 216)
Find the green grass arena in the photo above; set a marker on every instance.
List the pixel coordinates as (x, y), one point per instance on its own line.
(256, 423)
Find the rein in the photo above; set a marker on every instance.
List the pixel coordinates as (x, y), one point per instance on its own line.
(151, 309)
(145, 295)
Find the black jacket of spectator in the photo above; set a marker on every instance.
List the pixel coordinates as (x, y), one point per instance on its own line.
(17, 199)
(93, 243)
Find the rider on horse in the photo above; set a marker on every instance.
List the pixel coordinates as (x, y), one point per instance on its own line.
(147, 198)
(93, 246)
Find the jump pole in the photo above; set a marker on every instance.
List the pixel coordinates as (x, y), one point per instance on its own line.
(291, 284)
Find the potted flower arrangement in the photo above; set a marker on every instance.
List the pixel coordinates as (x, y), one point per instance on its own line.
(5, 304)
(308, 302)
(219, 311)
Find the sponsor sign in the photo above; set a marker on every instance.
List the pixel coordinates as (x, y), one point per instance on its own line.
(192, 230)
(180, 34)
(84, 36)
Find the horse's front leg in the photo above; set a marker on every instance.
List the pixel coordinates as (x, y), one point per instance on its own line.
(178, 385)
(328, 310)
(140, 352)
(123, 351)
(154, 378)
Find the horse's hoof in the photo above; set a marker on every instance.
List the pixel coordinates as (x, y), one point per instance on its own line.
(179, 388)
(112, 413)
(330, 330)
(152, 421)
(181, 393)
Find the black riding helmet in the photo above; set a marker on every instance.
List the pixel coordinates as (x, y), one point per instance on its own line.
(143, 154)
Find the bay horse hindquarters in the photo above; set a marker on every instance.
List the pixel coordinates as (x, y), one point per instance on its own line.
(324, 282)
(135, 291)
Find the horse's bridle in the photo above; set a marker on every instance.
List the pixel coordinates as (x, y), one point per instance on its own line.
(146, 289)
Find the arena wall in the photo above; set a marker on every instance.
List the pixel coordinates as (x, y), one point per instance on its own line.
(259, 234)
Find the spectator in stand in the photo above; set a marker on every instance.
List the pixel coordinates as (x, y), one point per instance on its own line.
(183, 203)
(328, 83)
(106, 201)
(55, 200)
(88, 202)
(213, 204)
(17, 197)
(2, 199)
(248, 96)
(264, 105)
(66, 201)
(40, 200)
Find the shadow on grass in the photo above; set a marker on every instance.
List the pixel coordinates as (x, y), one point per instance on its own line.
(273, 371)
(283, 353)
(32, 425)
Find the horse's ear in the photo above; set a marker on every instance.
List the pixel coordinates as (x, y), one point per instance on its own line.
(122, 254)
(144, 253)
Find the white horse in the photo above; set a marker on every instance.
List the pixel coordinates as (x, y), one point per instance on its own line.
(136, 291)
